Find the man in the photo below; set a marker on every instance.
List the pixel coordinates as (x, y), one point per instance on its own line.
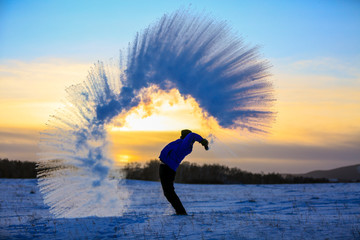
(171, 157)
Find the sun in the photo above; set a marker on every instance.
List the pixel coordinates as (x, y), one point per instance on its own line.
(123, 158)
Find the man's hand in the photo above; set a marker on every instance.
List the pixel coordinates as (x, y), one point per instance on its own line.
(205, 143)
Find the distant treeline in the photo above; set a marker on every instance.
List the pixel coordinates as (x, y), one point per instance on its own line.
(17, 169)
(212, 174)
(186, 173)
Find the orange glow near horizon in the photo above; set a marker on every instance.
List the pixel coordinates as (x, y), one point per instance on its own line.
(308, 114)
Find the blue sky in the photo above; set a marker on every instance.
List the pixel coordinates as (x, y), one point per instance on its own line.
(92, 30)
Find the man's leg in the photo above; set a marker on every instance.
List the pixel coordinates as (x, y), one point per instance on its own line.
(167, 177)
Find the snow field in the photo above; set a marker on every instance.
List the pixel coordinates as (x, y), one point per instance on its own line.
(304, 211)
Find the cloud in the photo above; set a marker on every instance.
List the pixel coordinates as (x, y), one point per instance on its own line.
(18, 151)
(329, 66)
(31, 91)
(317, 73)
(318, 100)
(282, 157)
(19, 143)
(294, 152)
(42, 79)
(254, 155)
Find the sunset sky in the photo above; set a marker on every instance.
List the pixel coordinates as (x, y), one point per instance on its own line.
(313, 47)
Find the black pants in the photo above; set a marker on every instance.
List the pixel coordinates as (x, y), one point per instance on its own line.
(167, 177)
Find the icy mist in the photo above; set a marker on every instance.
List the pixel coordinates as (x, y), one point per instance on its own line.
(192, 53)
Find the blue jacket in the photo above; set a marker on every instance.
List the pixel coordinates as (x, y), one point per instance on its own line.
(176, 151)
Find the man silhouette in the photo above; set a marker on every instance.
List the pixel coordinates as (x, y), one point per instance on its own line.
(171, 157)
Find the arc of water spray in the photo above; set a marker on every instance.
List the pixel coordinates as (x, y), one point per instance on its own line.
(192, 53)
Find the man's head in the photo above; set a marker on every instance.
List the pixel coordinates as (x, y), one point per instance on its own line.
(184, 133)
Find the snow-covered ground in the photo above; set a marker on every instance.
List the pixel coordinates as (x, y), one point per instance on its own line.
(311, 211)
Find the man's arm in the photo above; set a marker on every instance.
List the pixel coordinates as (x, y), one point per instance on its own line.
(191, 138)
